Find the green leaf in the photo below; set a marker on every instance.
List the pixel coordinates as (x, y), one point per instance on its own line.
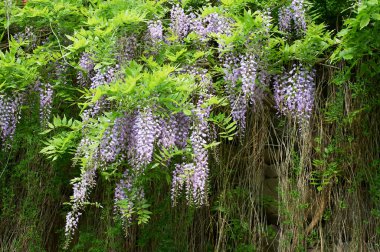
(187, 112)
(372, 2)
(364, 21)
(376, 16)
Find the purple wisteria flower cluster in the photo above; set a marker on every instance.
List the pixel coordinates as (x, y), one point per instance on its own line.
(155, 31)
(244, 70)
(183, 130)
(87, 65)
(27, 35)
(141, 145)
(46, 102)
(213, 23)
(124, 200)
(180, 22)
(194, 175)
(168, 133)
(100, 78)
(81, 189)
(9, 116)
(294, 93)
(293, 17)
(127, 49)
(114, 142)
(238, 103)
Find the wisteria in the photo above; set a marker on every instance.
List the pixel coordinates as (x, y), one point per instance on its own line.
(180, 22)
(285, 19)
(9, 116)
(198, 138)
(87, 65)
(183, 129)
(81, 190)
(46, 102)
(27, 35)
(168, 132)
(293, 17)
(298, 15)
(181, 175)
(123, 201)
(155, 31)
(193, 176)
(238, 101)
(248, 69)
(294, 93)
(100, 78)
(115, 140)
(141, 144)
(213, 23)
(127, 47)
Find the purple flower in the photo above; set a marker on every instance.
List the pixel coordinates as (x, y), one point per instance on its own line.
(180, 22)
(9, 116)
(155, 31)
(294, 93)
(142, 140)
(124, 192)
(46, 102)
(293, 16)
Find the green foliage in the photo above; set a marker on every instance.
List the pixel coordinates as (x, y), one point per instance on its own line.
(358, 38)
(345, 114)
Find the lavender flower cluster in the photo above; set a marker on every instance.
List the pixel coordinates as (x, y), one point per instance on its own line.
(245, 69)
(198, 140)
(213, 23)
(141, 145)
(155, 31)
(194, 175)
(293, 15)
(294, 93)
(81, 190)
(123, 203)
(100, 78)
(9, 117)
(46, 102)
(127, 49)
(87, 65)
(114, 142)
(27, 35)
(180, 22)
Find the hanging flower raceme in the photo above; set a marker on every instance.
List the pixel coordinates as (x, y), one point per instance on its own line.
(87, 65)
(238, 102)
(198, 138)
(294, 93)
(46, 102)
(293, 17)
(81, 188)
(180, 22)
(194, 175)
(141, 144)
(183, 129)
(168, 132)
(9, 116)
(100, 78)
(248, 69)
(115, 139)
(125, 197)
(155, 31)
(127, 48)
(213, 23)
